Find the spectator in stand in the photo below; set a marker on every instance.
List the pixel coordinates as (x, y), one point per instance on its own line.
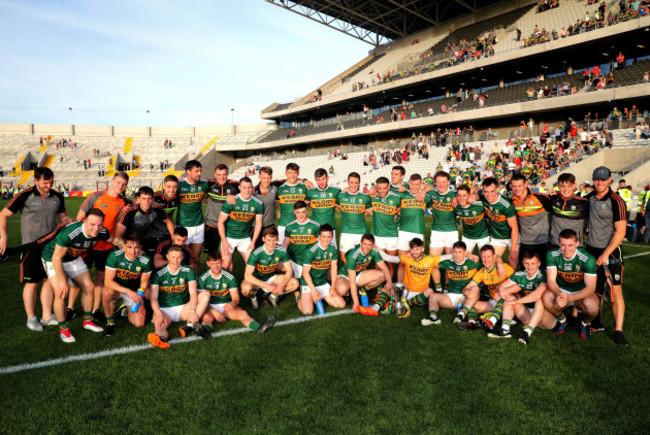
(620, 60)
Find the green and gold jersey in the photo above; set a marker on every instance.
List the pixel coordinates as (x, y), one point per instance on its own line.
(323, 205)
(384, 215)
(396, 187)
(412, 213)
(527, 284)
(498, 214)
(498, 173)
(288, 195)
(320, 261)
(571, 272)
(219, 287)
(353, 208)
(267, 264)
(453, 173)
(444, 218)
(459, 274)
(241, 216)
(428, 180)
(472, 218)
(72, 236)
(301, 237)
(173, 288)
(190, 211)
(358, 261)
(128, 273)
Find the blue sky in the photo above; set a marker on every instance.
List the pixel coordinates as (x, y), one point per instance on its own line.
(189, 62)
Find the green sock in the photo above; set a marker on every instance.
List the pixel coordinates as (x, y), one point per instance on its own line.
(87, 315)
(433, 314)
(438, 287)
(208, 328)
(110, 320)
(382, 298)
(495, 316)
(505, 324)
(472, 317)
(420, 299)
(254, 325)
(561, 318)
(63, 325)
(528, 330)
(463, 312)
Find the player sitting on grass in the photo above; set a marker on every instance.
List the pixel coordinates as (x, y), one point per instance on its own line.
(219, 299)
(319, 261)
(261, 269)
(415, 271)
(362, 277)
(571, 278)
(523, 295)
(174, 299)
(62, 259)
(126, 272)
(460, 271)
(493, 273)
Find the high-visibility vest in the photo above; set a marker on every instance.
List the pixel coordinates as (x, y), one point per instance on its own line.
(627, 197)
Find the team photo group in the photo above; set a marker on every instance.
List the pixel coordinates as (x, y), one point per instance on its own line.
(499, 253)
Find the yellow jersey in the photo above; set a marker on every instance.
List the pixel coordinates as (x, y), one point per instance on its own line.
(491, 279)
(418, 273)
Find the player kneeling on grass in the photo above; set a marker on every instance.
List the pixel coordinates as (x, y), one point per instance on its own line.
(460, 270)
(219, 299)
(126, 273)
(62, 259)
(174, 299)
(522, 294)
(571, 278)
(361, 277)
(493, 273)
(261, 269)
(319, 261)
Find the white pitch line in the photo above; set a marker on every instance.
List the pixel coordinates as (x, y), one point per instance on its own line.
(636, 255)
(138, 348)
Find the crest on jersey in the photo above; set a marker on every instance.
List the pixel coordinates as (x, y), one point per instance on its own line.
(181, 280)
(224, 285)
(277, 258)
(464, 267)
(138, 268)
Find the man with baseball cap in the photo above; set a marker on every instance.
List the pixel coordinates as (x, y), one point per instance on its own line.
(607, 226)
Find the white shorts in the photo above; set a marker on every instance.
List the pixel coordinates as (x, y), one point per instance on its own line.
(72, 268)
(475, 242)
(174, 313)
(443, 239)
(239, 244)
(126, 299)
(195, 234)
(297, 269)
(349, 241)
(386, 243)
(323, 290)
(218, 307)
(492, 303)
(347, 276)
(500, 242)
(281, 231)
(405, 237)
(456, 298)
(411, 295)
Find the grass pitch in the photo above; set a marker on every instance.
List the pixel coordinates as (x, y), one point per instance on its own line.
(340, 374)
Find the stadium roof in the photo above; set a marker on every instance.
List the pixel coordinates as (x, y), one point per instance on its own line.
(379, 21)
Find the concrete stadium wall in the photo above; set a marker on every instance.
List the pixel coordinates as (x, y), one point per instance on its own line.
(58, 130)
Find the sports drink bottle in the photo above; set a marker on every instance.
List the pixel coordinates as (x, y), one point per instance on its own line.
(135, 307)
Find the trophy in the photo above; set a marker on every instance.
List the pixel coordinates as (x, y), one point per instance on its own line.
(400, 307)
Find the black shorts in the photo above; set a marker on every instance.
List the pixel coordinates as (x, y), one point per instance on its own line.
(150, 244)
(211, 239)
(98, 258)
(615, 267)
(31, 266)
(541, 249)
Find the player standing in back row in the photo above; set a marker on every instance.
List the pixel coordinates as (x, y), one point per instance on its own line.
(322, 201)
(191, 191)
(353, 205)
(289, 193)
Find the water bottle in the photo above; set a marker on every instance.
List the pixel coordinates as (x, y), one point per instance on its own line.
(320, 308)
(135, 307)
(459, 306)
(364, 298)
